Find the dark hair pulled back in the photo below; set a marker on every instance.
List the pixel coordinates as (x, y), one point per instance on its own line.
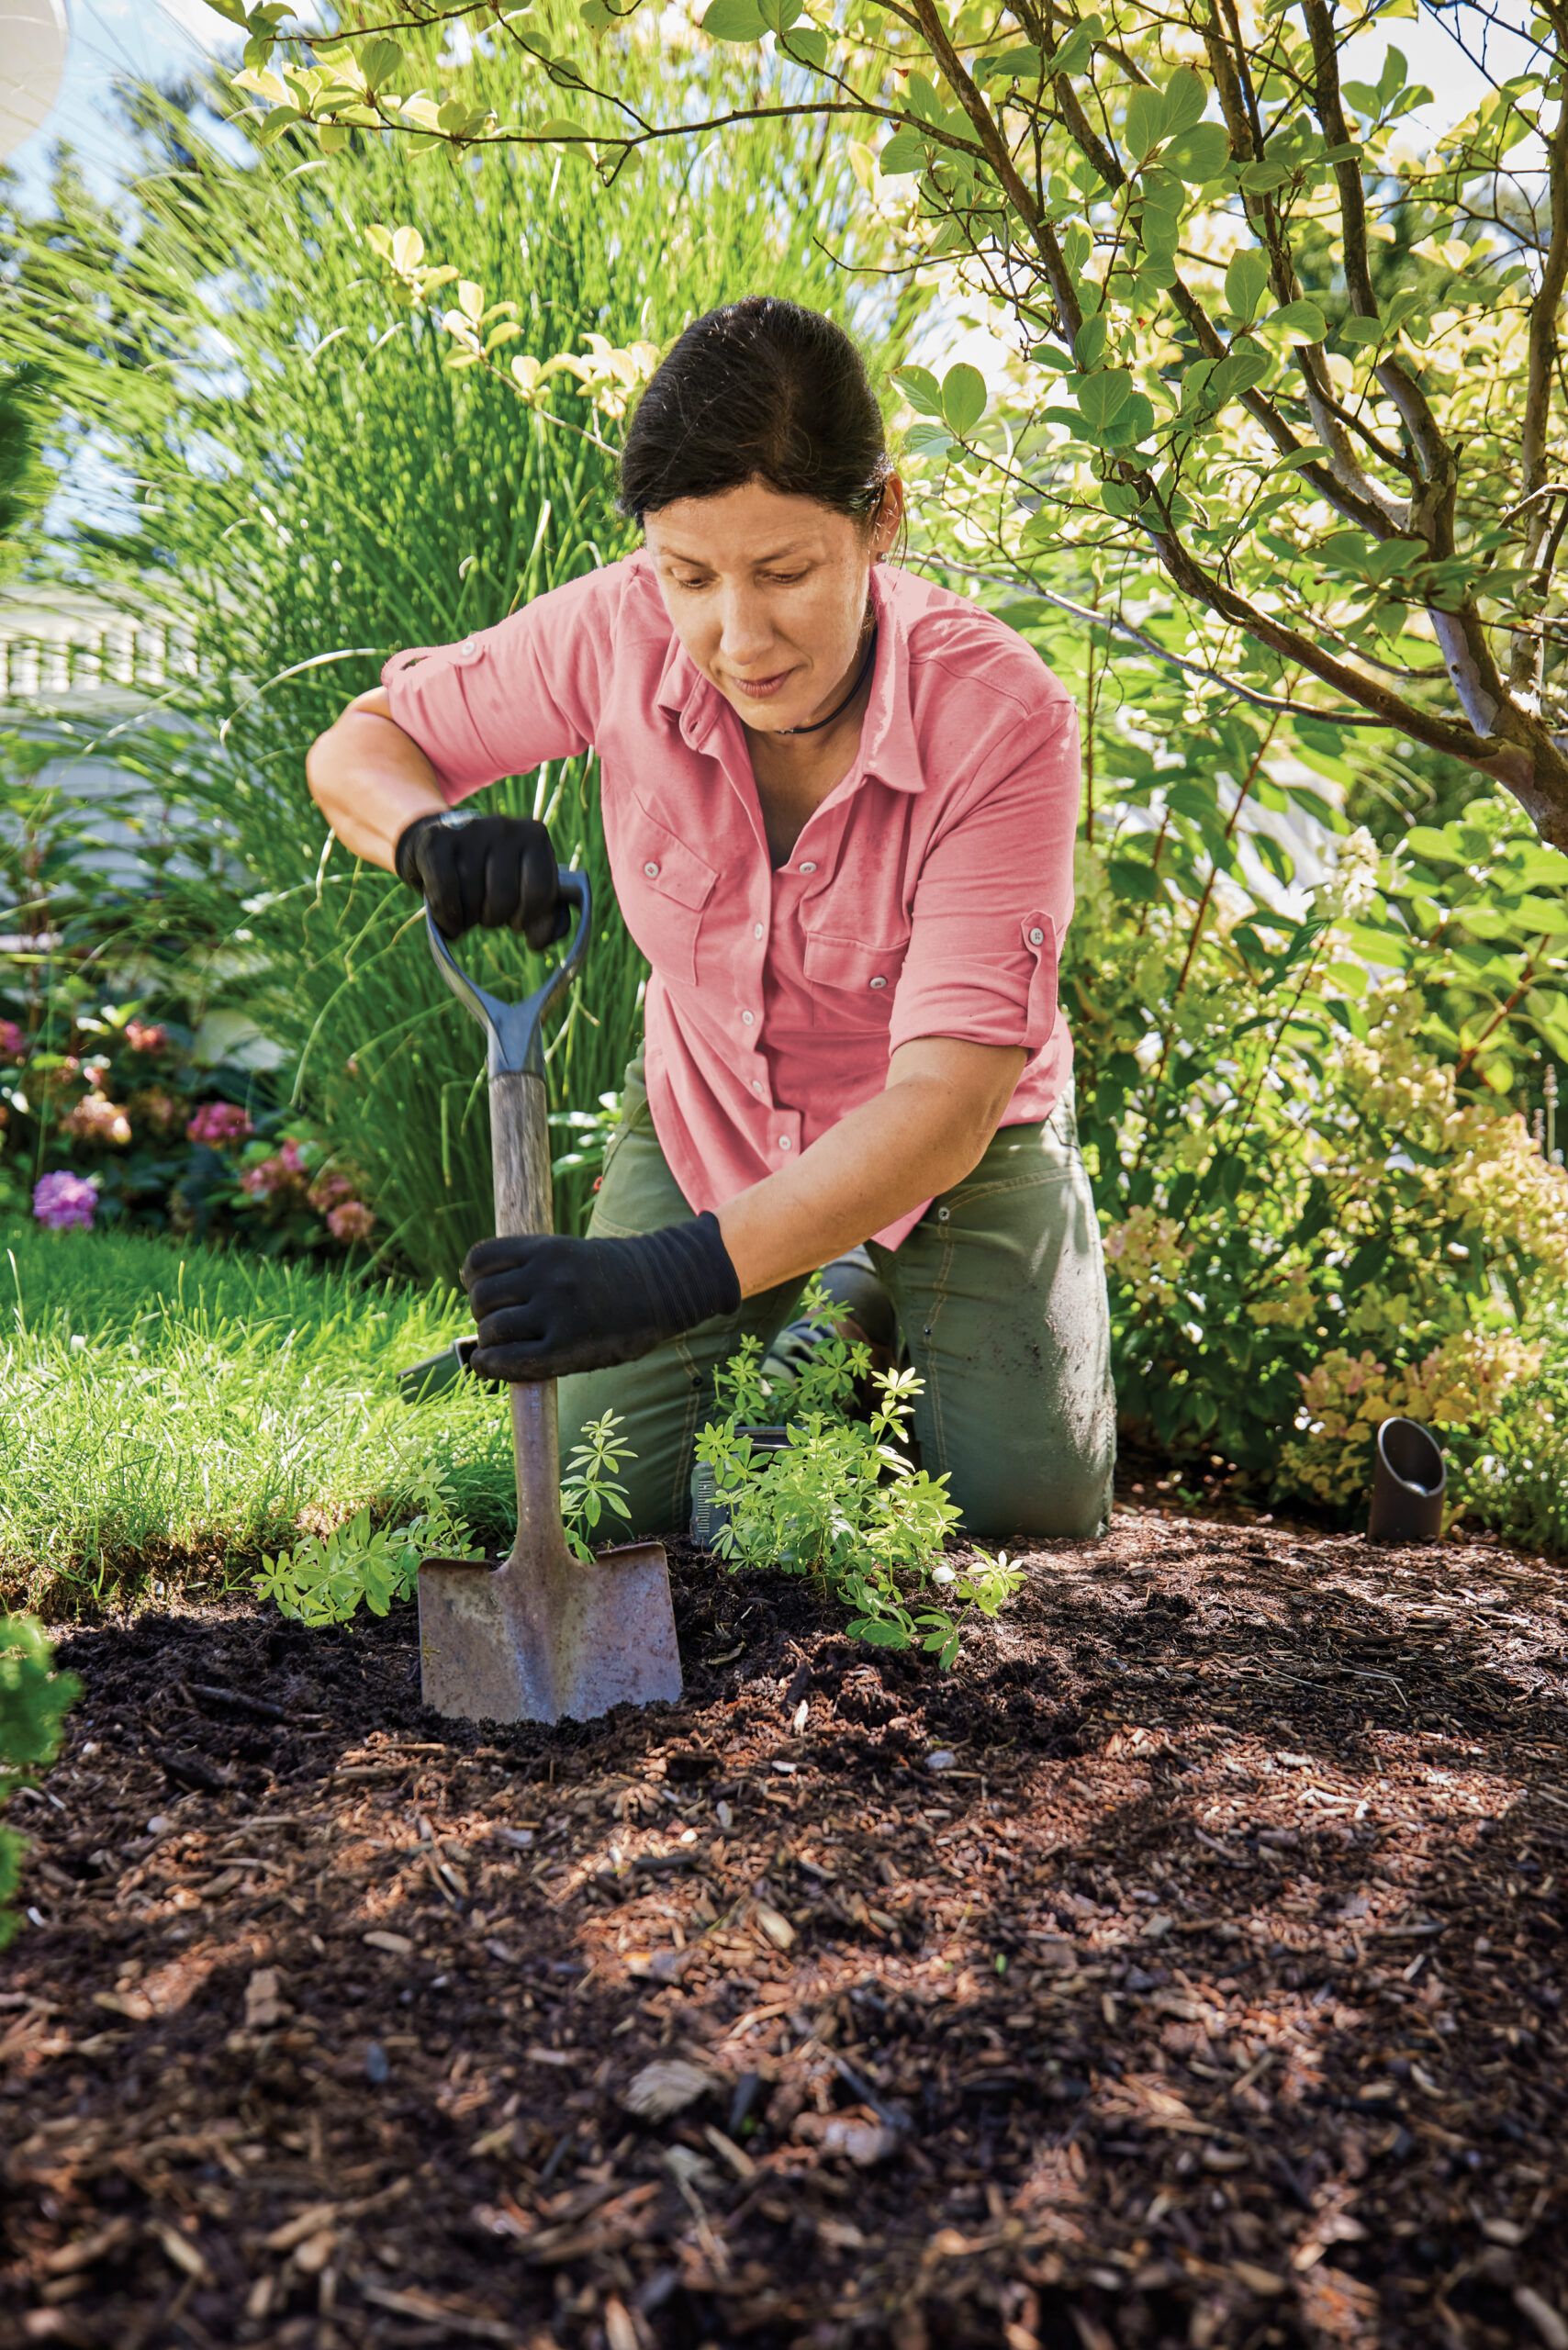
(759, 389)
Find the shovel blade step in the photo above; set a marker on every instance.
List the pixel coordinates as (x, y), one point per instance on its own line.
(543, 1640)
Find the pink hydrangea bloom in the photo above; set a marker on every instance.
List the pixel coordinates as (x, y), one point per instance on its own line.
(12, 1041)
(261, 1181)
(292, 1157)
(96, 1119)
(64, 1199)
(351, 1221)
(219, 1124)
(328, 1189)
(146, 1035)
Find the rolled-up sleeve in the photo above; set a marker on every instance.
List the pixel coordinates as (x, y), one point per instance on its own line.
(503, 699)
(994, 897)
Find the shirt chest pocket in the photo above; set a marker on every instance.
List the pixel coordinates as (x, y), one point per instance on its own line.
(665, 893)
(851, 981)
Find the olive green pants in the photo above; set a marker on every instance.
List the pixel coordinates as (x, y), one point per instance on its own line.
(1000, 1296)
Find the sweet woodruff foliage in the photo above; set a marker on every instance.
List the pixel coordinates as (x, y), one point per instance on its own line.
(1304, 376)
(33, 1700)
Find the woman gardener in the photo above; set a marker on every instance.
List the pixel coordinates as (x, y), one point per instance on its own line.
(839, 803)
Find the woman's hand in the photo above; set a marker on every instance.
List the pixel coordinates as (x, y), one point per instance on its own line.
(547, 1305)
(490, 872)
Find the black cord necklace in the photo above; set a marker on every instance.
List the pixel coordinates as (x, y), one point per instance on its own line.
(848, 698)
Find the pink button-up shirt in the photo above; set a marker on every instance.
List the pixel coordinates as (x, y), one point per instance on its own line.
(927, 896)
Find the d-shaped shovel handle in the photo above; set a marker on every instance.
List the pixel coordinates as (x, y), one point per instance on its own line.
(520, 1135)
(513, 1029)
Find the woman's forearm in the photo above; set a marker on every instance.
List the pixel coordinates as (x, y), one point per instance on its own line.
(881, 1159)
(369, 779)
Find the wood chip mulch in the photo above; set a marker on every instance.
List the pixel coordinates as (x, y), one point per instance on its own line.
(1185, 1968)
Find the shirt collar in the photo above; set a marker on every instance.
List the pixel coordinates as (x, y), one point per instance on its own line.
(888, 746)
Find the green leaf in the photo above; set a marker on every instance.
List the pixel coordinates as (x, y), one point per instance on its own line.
(381, 60)
(1185, 99)
(1130, 423)
(1302, 321)
(736, 20)
(963, 397)
(1022, 61)
(1245, 281)
(1437, 847)
(1201, 153)
(280, 119)
(920, 388)
(1100, 397)
(903, 152)
(561, 126)
(1146, 123)
(780, 15)
(1244, 365)
(805, 42)
(1089, 343)
(1072, 55)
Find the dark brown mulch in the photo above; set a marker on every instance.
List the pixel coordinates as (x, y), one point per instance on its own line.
(1185, 1968)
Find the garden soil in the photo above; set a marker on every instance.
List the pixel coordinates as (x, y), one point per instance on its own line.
(1186, 1968)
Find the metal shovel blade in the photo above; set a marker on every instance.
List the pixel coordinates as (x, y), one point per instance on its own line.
(540, 1636)
(559, 1638)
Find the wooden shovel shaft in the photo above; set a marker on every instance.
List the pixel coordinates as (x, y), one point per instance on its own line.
(520, 1155)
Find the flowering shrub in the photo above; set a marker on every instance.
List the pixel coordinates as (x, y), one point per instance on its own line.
(1321, 1205)
(150, 1137)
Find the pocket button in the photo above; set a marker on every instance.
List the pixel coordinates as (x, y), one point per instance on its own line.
(651, 869)
(1036, 937)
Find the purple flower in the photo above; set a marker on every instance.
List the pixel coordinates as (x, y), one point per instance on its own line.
(13, 1044)
(218, 1123)
(64, 1199)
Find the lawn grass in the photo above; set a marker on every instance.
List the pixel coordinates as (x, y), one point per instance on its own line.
(174, 1409)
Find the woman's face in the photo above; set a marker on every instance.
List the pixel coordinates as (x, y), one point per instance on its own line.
(758, 585)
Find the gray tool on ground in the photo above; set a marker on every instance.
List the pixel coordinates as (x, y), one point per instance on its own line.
(539, 1635)
(418, 1381)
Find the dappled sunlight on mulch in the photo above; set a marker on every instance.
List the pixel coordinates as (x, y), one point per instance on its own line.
(1185, 1968)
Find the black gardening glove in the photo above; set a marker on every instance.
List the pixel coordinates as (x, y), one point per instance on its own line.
(498, 872)
(547, 1305)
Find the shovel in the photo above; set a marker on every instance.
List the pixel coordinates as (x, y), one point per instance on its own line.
(539, 1634)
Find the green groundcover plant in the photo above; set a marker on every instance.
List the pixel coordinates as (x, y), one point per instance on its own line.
(840, 1504)
(322, 1581)
(33, 1701)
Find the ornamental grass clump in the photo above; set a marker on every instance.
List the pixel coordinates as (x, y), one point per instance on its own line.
(842, 1502)
(354, 482)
